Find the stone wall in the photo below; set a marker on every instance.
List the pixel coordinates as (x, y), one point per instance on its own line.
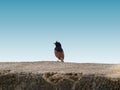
(56, 81)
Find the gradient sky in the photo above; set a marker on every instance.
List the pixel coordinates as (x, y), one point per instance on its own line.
(89, 30)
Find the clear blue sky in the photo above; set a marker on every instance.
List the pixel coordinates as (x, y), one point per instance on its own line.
(89, 30)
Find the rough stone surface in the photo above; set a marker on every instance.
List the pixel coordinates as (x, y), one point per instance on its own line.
(59, 76)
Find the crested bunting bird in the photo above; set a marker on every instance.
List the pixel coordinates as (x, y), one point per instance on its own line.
(59, 53)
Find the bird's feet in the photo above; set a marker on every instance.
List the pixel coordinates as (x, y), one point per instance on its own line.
(60, 61)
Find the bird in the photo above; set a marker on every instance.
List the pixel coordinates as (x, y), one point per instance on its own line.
(58, 51)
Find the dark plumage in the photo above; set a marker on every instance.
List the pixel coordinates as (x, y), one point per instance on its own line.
(59, 53)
